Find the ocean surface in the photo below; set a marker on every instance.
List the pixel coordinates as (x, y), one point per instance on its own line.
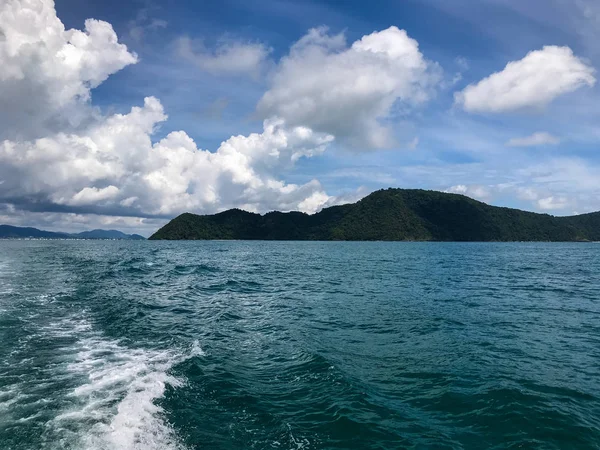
(299, 345)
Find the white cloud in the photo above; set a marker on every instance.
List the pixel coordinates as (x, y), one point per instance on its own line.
(315, 202)
(536, 139)
(532, 82)
(61, 156)
(475, 191)
(526, 193)
(550, 203)
(229, 57)
(94, 195)
(564, 174)
(115, 164)
(348, 197)
(561, 183)
(47, 72)
(458, 189)
(345, 91)
(110, 164)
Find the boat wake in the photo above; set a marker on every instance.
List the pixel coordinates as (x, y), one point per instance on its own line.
(106, 395)
(115, 408)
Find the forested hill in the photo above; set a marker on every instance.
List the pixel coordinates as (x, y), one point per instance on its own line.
(390, 215)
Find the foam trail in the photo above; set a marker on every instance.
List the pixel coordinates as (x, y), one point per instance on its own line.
(115, 408)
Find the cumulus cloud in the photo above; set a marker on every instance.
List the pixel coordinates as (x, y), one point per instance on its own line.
(347, 91)
(47, 72)
(532, 82)
(115, 167)
(92, 195)
(229, 57)
(536, 139)
(110, 164)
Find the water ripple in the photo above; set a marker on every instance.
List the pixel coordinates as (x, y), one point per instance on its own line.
(312, 345)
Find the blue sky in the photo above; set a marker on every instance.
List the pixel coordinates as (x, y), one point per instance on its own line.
(528, 138)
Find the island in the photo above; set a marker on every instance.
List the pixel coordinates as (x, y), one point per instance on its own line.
(12, 232)
(389, 215)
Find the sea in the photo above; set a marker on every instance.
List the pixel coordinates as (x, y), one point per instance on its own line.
(299, 345)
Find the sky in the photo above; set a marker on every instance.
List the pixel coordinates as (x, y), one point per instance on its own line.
(124, 114)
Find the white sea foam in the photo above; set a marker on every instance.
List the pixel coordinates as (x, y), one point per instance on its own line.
(297, 443)
(196, 350)
(113, 401)
(9, 397)
(115, 406)
(72, 327)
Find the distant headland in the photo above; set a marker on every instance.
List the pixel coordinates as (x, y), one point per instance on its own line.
(389, 215)
(11, 232)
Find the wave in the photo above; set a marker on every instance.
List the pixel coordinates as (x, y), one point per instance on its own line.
(193, 269)
(5, 279)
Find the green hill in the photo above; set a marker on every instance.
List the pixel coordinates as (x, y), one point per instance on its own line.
(390, 215)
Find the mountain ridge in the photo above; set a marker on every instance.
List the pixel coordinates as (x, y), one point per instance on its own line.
(14, 232)
(389, 215)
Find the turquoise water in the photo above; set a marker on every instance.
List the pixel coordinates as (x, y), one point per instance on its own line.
(288, 345)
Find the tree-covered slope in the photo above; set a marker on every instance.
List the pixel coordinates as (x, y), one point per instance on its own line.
(390, 215)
